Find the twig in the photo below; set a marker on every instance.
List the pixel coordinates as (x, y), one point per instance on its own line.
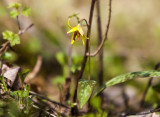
(24, 30)
(148, 86)
(18, 23)
(4, 47)
(149, 112)
(43, 97)
(74, 110)
(106, 33)
(35, 71)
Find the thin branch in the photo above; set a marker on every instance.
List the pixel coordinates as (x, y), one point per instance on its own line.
(18, 23)
(106, 33)
(24, 30)
(149, 112)
(43, 97)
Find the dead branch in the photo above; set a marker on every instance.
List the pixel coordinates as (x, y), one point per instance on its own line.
(35, 70)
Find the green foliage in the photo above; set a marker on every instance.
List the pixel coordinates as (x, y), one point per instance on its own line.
(59, 80)
(14, 13)
(21, 94)
(6, 56)
(26, 11)
(76, 59)
(129, 76)
(95, 102)
(3, 84)
(12, 37)
(23, 75)
(14, 5)
(85, 88)
(61, 58)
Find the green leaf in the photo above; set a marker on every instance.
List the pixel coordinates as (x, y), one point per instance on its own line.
(23, 74)
(14, 13)
(85, 88)
(12, 37)
(26, 92)
(14, 5)
(59, 80)
(6, 56)
(96, 102)
(26, 11)
(128, 76)
(3, 84)
(61, 58)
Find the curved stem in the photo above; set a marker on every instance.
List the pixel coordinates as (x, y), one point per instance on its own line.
(74, 109)
(106, 33)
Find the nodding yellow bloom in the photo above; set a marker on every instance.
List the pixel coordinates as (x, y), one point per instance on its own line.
(77, 33)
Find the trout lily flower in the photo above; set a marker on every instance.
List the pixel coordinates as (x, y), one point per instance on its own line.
(77, 33)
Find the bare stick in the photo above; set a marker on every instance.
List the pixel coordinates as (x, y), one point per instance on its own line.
(106, 33)
(43, 97)
(35, 70)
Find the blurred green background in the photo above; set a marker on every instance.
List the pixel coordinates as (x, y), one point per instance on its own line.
(133, 41)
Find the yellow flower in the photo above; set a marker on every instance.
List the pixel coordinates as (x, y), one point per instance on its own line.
(77, 32)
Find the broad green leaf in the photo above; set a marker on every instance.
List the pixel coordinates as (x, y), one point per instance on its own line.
(12, 37)
(14, 13)
(23, 74)
(26, 11)
(85, 88)
(14, 5)
(128, 76)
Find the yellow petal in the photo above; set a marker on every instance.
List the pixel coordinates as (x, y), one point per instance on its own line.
(85, 37)
(83, 41)
(72, 39)
(73, 29)
(80, 30)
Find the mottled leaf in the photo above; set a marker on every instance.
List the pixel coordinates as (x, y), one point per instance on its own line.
(26, 11)
(128, 76)
(85, 88)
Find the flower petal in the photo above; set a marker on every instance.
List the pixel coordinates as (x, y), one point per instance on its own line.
(73, 29)
(83, 41)
(84, 36)
(80, 30)
(72, 39)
